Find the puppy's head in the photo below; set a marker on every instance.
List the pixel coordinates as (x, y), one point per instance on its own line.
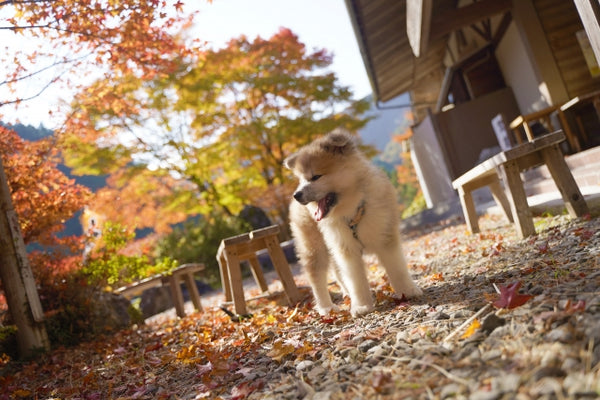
(319, 167)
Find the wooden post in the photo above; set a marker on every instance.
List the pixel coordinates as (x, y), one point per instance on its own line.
(17, 279)
(589, 12)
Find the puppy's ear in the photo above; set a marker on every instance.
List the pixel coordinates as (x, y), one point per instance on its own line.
(290, 161)
(338, 143)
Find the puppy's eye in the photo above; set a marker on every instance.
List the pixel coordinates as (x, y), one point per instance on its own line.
(315, 177)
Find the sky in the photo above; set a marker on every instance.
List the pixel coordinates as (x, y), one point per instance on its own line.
(318, 23)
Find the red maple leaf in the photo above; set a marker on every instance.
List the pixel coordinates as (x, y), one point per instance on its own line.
(510, 297)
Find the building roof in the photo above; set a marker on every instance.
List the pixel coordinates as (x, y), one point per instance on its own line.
(380, 27)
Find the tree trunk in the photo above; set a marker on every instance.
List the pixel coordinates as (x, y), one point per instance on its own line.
(17, 279)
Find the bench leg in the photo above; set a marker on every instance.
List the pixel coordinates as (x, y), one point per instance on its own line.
(224, 272)
(193, 289)
(235, 280)
(468, 206)
(510, 174)
(176, 295)
(283, 269)
(565, 182)
(257, 272)
(500, 198)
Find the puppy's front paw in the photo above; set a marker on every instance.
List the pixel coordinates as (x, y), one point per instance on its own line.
(412, 291)
(323, 311)
(359, 310)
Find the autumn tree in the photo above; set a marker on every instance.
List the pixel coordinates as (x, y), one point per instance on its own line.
(43, 196)
(90, 38)
(223, 123)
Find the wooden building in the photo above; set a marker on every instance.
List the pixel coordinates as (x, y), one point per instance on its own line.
(465, 62)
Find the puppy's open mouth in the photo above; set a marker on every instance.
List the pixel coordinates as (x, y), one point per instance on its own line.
(324, 206)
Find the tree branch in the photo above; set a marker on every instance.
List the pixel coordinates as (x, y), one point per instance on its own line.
(65, 61)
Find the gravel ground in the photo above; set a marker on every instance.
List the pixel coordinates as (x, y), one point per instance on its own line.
(451, 343)
(545, 349)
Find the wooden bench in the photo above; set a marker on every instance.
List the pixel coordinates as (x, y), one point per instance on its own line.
(232, 251)
(173, 279)
(507, 166)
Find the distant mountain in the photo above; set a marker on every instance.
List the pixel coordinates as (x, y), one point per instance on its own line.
(386, 123)
(29, 132)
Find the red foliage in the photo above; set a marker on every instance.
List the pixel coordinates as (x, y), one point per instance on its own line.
(510, 297)
(43, 197)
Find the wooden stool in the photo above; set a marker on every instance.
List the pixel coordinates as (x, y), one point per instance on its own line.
(236, 249)
(183, 273)
(507, 166)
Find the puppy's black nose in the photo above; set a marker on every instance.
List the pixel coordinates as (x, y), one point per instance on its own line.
(298, 195)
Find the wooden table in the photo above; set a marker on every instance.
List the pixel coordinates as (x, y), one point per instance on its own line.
(506, 167)
(232, 251)
(572, 106)
(173, 279)
(544, 115)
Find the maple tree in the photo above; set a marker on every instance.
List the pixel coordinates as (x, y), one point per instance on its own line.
(90, 38)
(68, 37)
(43, 196)
(223, 123)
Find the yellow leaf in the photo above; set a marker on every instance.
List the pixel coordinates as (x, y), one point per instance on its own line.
(280, 350)
(471, 329)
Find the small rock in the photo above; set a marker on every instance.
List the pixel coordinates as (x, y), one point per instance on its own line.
(451, 390)
(508, 383)
(545, 386)
(491, 355)
(304, 364)
(464, 313)
(491, 322)
(561, 334)
(366, 345)
(485, 395)
(325, 395)
(550, 371)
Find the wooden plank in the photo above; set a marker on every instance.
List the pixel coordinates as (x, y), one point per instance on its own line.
(283, 270)
(574, 201)
(257, 273)
(510, 174)
(463, 16)
(589, 12)
(263, 232)
(224, 272)
(469, 211)
(500, 198)
(418, 24)
(176, 295)
(235, 280)
(193, 289)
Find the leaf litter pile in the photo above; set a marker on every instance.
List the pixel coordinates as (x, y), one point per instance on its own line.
(501, 318)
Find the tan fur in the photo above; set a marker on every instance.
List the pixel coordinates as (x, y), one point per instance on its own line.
(333, 164)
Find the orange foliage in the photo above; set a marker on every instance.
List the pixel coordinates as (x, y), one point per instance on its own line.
(44, 198)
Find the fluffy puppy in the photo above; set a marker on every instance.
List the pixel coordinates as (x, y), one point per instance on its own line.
(344, 207)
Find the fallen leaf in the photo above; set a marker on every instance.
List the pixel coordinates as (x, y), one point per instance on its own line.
(510, 297)
(471, 329)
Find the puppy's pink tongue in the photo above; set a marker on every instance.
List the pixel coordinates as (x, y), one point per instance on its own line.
(321, 207)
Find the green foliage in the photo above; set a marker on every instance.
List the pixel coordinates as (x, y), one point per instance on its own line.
(418, 204)
(198, 241)
(223, 133)
(110, 267)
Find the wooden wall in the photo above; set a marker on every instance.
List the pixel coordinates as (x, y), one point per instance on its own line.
(560, 22)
